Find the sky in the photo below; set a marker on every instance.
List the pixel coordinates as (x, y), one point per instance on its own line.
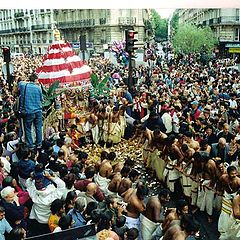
(124, 4)
(166, 12)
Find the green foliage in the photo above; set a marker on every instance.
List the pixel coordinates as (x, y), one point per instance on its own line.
(50, 94)
(191, 39)
(100, 87)
(174, 22)
(160, 25)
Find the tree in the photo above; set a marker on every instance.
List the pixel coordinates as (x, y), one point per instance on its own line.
(192, 39)
(160, 26)
(174, 22)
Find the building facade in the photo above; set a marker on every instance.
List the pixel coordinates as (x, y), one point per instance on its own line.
(32, 30)
(225, 24)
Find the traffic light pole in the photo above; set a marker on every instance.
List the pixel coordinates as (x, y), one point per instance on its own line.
(9, 80)
(130, 72)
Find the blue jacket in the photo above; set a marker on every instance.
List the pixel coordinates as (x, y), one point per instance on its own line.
(25, 168)
(77, 218)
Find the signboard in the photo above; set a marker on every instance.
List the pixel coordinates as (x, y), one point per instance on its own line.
(76, 45)
(234, 50)
(233, 45)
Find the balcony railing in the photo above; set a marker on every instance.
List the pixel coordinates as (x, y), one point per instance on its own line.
(77, 24)
(42, 27)
(19, 14)
(228, 20)
(125, 21)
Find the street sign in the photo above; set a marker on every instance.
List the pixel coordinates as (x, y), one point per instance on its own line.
(4, 68)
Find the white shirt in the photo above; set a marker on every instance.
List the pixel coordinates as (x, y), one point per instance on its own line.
(233, 103)
(167, 121)
(42, 199)
(11, 146)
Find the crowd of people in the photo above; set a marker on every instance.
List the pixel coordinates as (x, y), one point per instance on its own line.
(181, 115)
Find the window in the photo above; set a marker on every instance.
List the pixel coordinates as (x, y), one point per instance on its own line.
(237, 34)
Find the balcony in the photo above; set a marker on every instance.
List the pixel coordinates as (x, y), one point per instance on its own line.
(41, 27)
(126, 21)
(3, 32)
(19, 15)
(83, 23)
(225, 20)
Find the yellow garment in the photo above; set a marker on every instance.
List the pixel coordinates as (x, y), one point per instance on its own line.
(53, 221)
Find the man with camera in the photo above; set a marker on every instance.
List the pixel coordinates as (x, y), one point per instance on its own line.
(31, 110)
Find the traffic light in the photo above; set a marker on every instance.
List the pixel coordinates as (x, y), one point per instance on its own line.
(6, 54)
(83, 44)
(130, 41)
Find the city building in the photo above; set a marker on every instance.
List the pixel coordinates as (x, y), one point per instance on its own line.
(225, 24)
(32, 30)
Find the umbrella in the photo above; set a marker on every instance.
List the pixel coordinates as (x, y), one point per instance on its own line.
(61, 63)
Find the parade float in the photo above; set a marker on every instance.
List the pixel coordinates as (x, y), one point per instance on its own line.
(64, 77)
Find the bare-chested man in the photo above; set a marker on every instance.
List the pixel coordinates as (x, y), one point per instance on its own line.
(153, 216)
(174, 215)
(102, 177)
(103, 117)
(114, 128)
(230, 183)
(188, 227)
(186, 168)
(188, 138)
(135, 205)
(234, 224)
(213, 170)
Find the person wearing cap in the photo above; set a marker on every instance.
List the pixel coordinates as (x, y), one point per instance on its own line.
(195, 113)
(33, 107)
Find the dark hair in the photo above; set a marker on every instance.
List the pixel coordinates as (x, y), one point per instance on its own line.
(95, 215)
(60, 153)
(17, 233)
(69, 180)
(82, 155)
(129, 162)
(142, 190)
(188, 134)
(133, 174)
(65, 222)
(120, 221)
(104, 155)
(125, 170)
(63, 171)
(163, 193)
(231, 169)
(33, 77)
(184, 147)
(105, 220)
(132, 233)
(109, 199)
(56, 206)
(90, 207)
(180, 204)
(90, 171)
(25, 153)
(111, 156)
(189, 223)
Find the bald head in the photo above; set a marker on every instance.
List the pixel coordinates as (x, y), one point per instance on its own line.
(91, 188)
(222, 142)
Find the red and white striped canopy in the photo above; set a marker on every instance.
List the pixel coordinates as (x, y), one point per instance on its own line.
(61, 63)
